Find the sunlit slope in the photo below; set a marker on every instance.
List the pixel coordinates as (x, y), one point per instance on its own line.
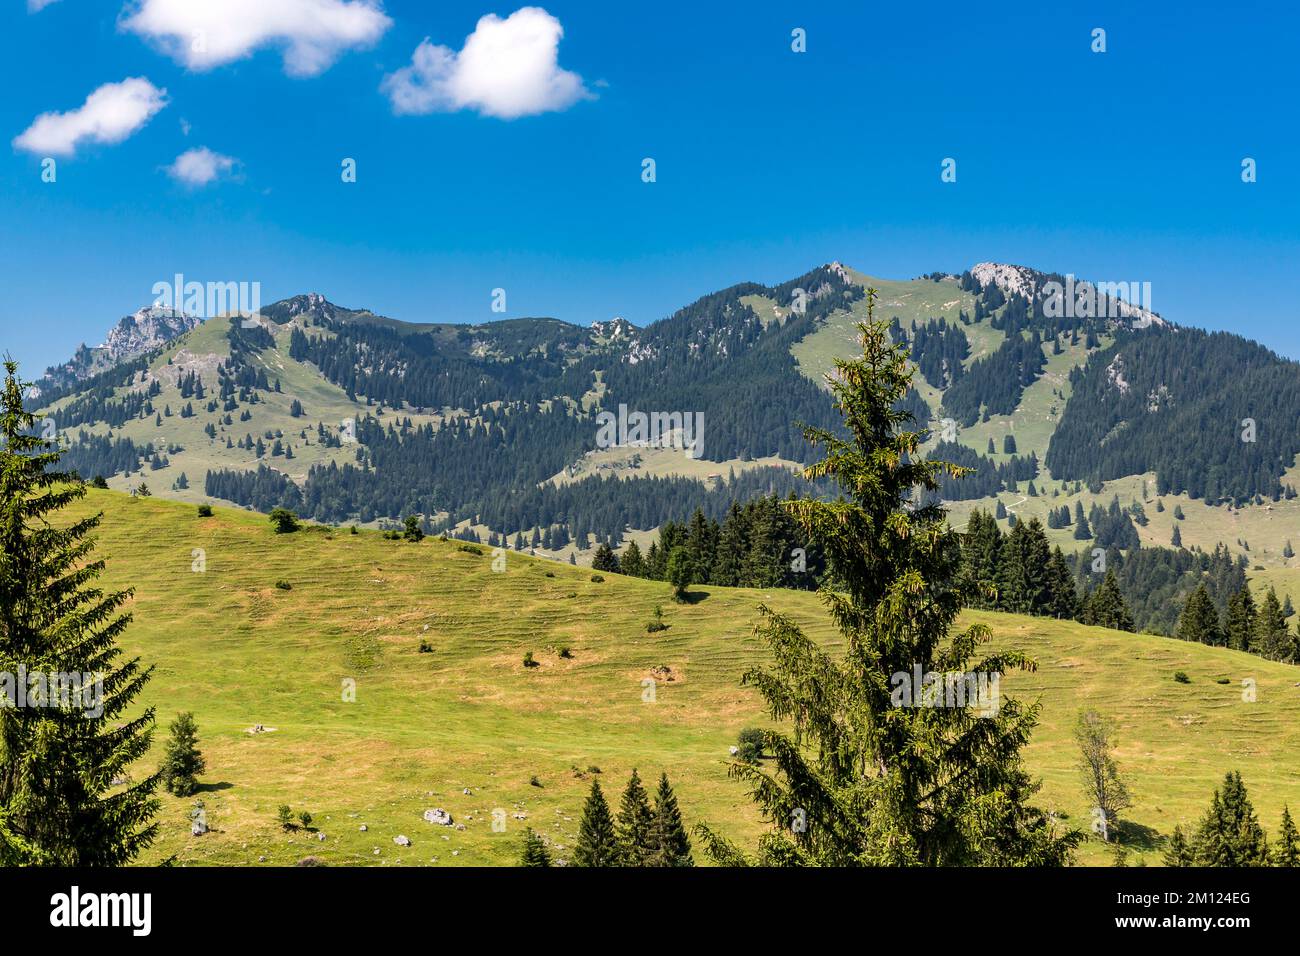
(237, 651)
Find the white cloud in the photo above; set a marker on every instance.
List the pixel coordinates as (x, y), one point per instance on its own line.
(203, 34)
(198, 167)
(36, 6)
(507, 69)
(110, 114)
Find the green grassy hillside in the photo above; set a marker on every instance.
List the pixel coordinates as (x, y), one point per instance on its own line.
(427, 727)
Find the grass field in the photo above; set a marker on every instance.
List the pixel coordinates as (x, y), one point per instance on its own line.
(424, 728)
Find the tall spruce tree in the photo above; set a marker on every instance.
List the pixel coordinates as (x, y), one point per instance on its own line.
(1064, 598)
(1179, 852)
(1082, 532)
(1286, 849)
(981, 556)
(1239, 622)
(58, 761)
(1022, 575)
(535, 852)
(605, 559)
(860, 781)
(1270, 636)
(671, 846)
(632, 563)
(635, 825)
(1230, 834)
(1200, 619)
(597, 842)
(1105, 607)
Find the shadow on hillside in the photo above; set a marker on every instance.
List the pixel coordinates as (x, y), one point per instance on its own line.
(1136, 836)
(214, 787)
(693, 597)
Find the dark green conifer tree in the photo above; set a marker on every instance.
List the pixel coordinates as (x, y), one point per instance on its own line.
(182, 761)
(1239, 623)
(1270, 636)
(1230, 834)
(670, 844)
(1286, 850)
(1082, 531)
(1179, 852)
(1060, 582)
(635, 824)
(982, 552)
(1106, 607)
(605, 559)
(535, 852)
(57, 762)
(1022, 575)
(862, 781)
(597, 842)
(733, 545)
(632, 563)
(1200, 619)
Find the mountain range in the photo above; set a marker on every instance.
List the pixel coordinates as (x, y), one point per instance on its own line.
(1054, 390)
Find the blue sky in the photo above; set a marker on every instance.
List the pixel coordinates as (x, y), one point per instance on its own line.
(1123, 165)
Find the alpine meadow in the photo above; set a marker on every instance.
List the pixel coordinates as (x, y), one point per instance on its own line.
(816, 445)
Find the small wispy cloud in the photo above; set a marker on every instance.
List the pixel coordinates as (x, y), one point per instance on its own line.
(507, 69)
(36, 6)
(203, 34)
(110, 114)
(200, 166)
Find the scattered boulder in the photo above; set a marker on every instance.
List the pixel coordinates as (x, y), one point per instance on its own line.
(199, 826)
(401, 841)
(439, 816)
